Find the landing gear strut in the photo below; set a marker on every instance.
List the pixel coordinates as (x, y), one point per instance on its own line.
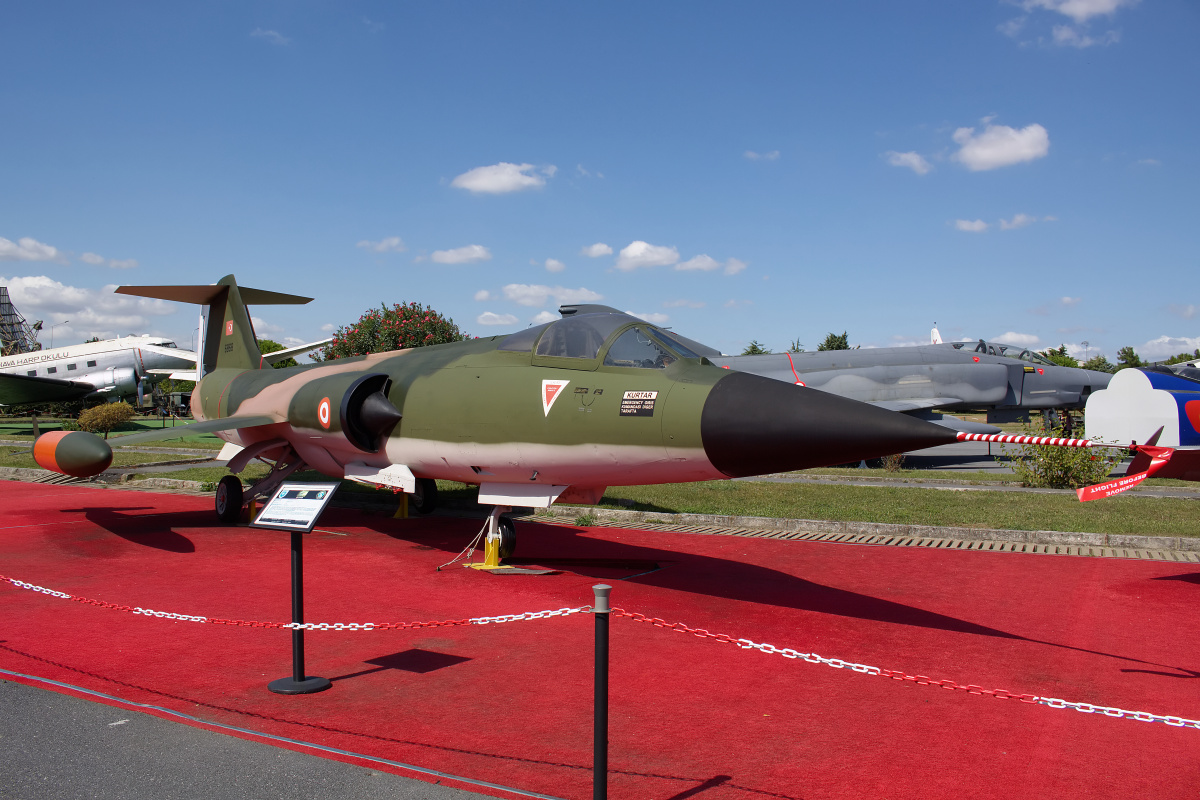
(231, 498)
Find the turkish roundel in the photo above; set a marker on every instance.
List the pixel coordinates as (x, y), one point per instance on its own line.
(550, 392)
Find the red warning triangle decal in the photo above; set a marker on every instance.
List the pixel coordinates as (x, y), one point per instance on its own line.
(550, 392)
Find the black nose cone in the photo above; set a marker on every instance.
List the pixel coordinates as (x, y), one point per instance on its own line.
(752, 425)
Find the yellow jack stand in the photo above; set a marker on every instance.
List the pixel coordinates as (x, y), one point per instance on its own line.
(402, 511)
(251, 508)
(491, 544)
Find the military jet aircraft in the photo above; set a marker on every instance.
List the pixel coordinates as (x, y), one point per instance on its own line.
(551, 413)
(1009, 381)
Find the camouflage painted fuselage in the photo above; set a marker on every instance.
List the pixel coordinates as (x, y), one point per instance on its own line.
(477, 414)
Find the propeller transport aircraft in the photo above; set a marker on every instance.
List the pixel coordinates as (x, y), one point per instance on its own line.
(112, 369)
(551, 413)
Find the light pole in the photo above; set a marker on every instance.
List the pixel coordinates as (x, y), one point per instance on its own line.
(1085, 350)
(52, 327)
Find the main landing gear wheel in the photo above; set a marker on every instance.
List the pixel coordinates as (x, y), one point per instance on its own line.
(425, 497)
(229, 499)
(508, 537)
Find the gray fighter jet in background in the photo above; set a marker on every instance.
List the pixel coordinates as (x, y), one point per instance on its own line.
(1007, 380)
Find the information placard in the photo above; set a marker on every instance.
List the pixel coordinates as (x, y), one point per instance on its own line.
(295, 506)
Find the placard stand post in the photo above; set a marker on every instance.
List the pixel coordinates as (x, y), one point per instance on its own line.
(295, 508)
(298, 683)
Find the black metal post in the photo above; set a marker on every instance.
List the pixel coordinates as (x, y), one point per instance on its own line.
(601, 612)
(298, 683)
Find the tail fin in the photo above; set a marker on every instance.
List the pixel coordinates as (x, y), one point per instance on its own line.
(229, 339)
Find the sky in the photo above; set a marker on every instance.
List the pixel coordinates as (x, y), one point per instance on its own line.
(1016, 170)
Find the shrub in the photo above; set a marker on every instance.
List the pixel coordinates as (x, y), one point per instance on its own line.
(585, 520)
(384, 329)
(105, 418)
(1051, 467)
(893, 463)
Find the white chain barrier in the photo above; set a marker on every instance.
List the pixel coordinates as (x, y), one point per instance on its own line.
(678, 627)
(920, 680)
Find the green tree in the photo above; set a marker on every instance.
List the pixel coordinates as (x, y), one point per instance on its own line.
(1100, 363)
(105, 417)
(835, 342)
(755, 348)
(384, 329)
(270, 346)
(1126, 357)
(1061, 356)
(796, 347)
(1182, 357)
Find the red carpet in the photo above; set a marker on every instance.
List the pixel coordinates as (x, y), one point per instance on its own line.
(691, 717)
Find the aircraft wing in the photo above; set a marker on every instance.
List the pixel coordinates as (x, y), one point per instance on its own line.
(16, 389)
(279, 355)
(915, 403)
(208, 426)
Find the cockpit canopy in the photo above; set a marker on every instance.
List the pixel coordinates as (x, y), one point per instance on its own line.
(624, 340)
(1005, 351)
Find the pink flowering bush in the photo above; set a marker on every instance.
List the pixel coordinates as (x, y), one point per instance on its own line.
(383, 329)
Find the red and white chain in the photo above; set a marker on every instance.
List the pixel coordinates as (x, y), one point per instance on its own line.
(308, 626)
(1005, 438)
(898, 675)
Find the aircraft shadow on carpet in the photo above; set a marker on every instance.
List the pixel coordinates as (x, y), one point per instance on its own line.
(708, 575)
(125, 523)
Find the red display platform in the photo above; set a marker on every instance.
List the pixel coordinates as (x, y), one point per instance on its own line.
(691, 717)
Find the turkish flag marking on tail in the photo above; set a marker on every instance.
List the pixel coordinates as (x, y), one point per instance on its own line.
(1158, 457)
(550, 392)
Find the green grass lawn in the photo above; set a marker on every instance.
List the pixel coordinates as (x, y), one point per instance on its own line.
(12, 457)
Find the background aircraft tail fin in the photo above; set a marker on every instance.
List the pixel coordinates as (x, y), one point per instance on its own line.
(229, 339)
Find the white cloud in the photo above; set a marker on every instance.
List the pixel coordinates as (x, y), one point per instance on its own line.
(470, 254)
(1067, 36)
(753, 156)
(490, 318)
(684, 304)
(1018, 221)
(538, 294)
(1079, 10)
(701, 262)
(274, 37)
(971, 226)
(27, 249)
(1187, 312)
(96, 260)
(912, 160)
(1070, 301)
(1000, 146)
(554, 265)
(1167, 346)
(1013, 27)
(502, 178)
(264, 328)
(328, 327)
(543, 317)
(390, 244)
(549, 170)
(738, 303)
(596, 250)
(483, 294)
(653, 318)
(1020, 339)
(92, 312)
(643, 254)
(1148, 162)
(734, 265)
